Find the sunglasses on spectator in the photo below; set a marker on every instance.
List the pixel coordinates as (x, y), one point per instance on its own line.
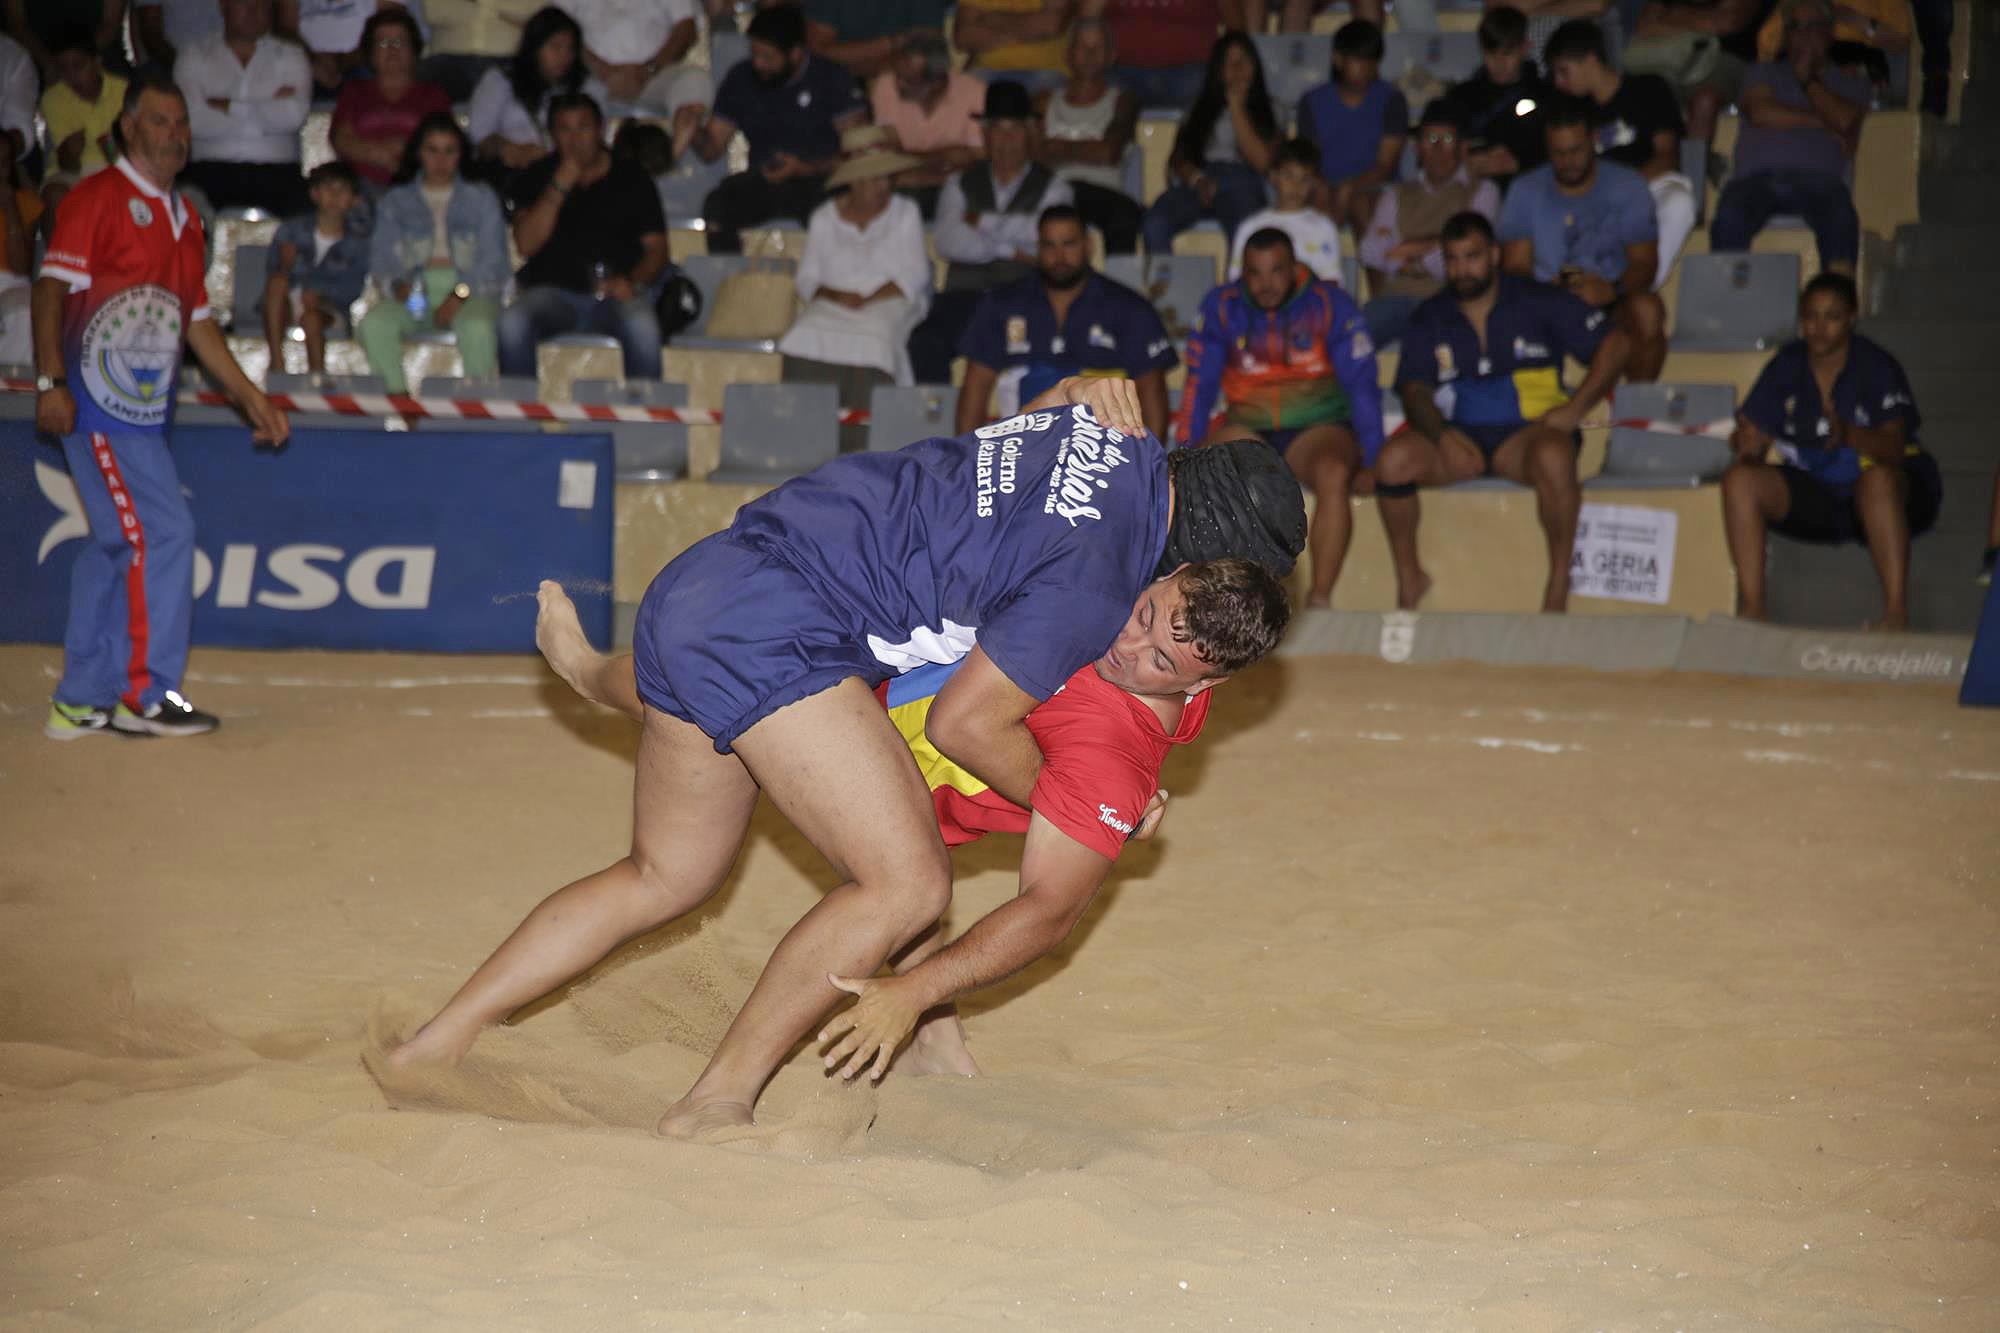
(1440, 137)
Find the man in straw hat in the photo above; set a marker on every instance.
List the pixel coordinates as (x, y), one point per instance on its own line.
(1021, 552)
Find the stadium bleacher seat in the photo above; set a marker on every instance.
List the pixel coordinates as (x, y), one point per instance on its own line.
(1175, 284)
(247, 289)
(646, 450)
(1448, 57)
(17, 406)
(1641, 458)
(726, 49)
(687, 185)
(501, 388)
(1735, 302)
(774, 431)
(278, 381)
(707, 273)
(899, 415)
(1293, 63)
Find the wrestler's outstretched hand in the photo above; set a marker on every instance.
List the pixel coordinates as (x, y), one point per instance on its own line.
(1114, 401)
(875, 1024)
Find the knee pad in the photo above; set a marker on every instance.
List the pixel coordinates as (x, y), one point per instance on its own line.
(1395, 490)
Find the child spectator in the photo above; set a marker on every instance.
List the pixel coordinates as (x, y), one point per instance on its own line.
(317, 264)
(79, 108)
(1294, 179)
(1359, 121)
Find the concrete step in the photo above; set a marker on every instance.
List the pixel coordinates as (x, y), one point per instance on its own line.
(1939, 343)
(1935, 244)
(1958, 445)
(1942, 292)
(1836, 587)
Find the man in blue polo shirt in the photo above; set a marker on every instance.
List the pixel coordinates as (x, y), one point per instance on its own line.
(1840, 410)
(1064, 319)
(1481, 384)
(792, 109)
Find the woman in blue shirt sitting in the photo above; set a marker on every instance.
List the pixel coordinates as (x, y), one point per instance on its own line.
(439, 256)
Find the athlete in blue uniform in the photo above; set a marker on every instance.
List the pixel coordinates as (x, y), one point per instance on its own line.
(1021, 549)
(1840, 411)
(1481, 383)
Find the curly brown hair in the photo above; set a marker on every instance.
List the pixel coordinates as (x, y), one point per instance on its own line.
(1233, 612)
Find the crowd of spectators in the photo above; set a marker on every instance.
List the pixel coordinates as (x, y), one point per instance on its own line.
(1546, 192)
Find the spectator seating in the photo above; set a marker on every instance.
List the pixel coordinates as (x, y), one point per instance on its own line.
(1175, 284)
(898, 416)
(1293, 63)
(774, 431)
(707, 273)
(726, 49)
(247, 284)
(687, 185)
(646, 450)
(1737, 302)
(1448, 57)
(1636, 458)
(17, 406)
(502, 388)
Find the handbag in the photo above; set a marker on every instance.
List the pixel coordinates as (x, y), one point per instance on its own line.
(757, 303)
(1684, 59)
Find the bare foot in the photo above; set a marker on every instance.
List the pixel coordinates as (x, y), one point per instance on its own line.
(938, 1047)
(1410, 596)
(430, 1046)
(559, 636)
(690, 1119)
(1315, 603)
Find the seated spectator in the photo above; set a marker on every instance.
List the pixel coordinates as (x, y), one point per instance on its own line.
(334, 33)
(1701, 48)
(1062, 319)
(162, 29)
(1841, 413)
(595, 242)
(1402, 248)
(933, 112)
(1165, 47)
(1638, 125)
(80, 109)
(375, 117)
(1545, 16)
(862, 34)
(792, 106)
(1295, 180)
(1586, 223)
(864, 282)
(1865, 34)
(247, 93)
(1360, 121)
(35, 25)
(1022, 40)
(986, 230)
(1227, 141)
(1501, 106)
(1286, 358)
(509, 115)
(317, 264)
(19, 87)
(1087, 126)
(637, 49)
(439, 255)
(20, 213)
(1801, 124)
(1498, 342)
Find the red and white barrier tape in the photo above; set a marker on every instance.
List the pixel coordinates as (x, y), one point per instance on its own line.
(471, 409)
(1710, 430)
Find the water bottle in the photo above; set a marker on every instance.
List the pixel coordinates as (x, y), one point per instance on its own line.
(600, 280)
(418, 303)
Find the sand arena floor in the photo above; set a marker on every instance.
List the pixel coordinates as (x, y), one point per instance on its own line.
(1450, 998)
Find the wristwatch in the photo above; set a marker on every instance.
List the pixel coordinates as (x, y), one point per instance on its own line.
(44, 383)
(463, 291)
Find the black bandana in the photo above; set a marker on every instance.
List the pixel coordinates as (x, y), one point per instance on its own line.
(1236, 499)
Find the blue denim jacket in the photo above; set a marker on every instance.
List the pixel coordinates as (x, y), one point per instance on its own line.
(340, 274)
(474, 226)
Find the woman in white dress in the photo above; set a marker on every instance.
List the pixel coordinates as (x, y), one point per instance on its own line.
(865, 279)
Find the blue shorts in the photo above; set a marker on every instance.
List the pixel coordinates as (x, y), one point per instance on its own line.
(728, 634)
(1489, 436)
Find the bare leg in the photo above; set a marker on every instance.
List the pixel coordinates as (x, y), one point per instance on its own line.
(277, 312)
(1326, 459)
(690, 809)
(834, 765)
(1879, 500)
(559, 634)
(1753, 497)
(1411, 459)
(937, 1046)
(315, 325)
(1545, 459)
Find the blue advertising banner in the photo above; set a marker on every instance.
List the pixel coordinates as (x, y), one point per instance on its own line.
(343, 539)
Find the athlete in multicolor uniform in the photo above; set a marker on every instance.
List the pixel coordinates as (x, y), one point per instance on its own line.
(1102, 750)
(1481, 383)
(121, 288)
(1288, 359)
(1020, 548)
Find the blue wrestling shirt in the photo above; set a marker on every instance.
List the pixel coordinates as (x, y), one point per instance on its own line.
(1031, 538)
